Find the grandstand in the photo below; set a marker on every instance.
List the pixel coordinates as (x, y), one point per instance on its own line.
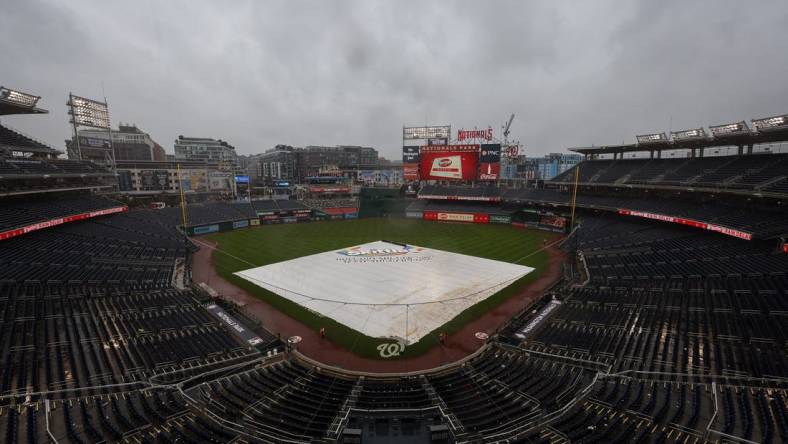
(669, 324)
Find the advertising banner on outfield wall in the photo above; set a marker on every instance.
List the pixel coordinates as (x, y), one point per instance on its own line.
(206, 229)
(495, 219)
(478, 218)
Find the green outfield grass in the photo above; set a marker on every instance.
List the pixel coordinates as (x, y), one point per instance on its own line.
(275, 243)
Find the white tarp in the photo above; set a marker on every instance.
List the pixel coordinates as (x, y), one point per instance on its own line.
(379, 273)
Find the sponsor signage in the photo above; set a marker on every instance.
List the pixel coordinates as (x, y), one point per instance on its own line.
(512, 151)
(414, 214)
(448, 167)
(474, 198)
(206, 229)
(495, 219)
(449, 162)
(490, 161)
(59, 221)
(410, 171)
(378, 252)
(552, 220)
(410, 154)
(555, 303)
(93, 142)
(281, 184)
(479, 218)
(254, 222)
(242, 179)
(437, 141)
(240, 224)
(239, 329)
(474, 134)
(689, 222)
(315, 189)
(410, 162)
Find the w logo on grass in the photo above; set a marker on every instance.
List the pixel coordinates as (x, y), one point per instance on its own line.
(391, 349)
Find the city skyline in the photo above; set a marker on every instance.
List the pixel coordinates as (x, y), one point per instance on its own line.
(353, 73)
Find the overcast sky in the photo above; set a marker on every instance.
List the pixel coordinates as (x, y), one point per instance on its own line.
(260, 73)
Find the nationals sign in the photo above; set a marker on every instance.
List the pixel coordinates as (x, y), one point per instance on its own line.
(449, 162)
(483, 134)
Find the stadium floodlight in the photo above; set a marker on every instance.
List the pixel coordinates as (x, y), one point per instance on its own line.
(87, 112)
(18, 97)
(653, 138)
(426, 132)
(691, 134)
(770, 123)
(730, 129)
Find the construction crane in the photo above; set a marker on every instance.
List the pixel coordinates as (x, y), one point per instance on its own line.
(506, 129)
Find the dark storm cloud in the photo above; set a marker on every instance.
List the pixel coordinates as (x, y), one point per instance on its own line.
(261, 73)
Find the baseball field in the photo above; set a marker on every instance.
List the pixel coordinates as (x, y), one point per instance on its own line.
(260, 246)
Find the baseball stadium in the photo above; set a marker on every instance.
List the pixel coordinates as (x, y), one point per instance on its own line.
(450, 285)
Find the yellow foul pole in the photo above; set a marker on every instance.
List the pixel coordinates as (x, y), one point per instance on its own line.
(183, 200)
(574, 196)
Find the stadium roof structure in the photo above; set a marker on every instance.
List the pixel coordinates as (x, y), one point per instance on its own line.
(17, 102)
(765, 130)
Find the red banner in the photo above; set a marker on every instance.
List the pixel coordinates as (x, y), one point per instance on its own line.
(477, 218)
(485, 134)
(690, 222)
(470, 148)
(454, 165)
(59, 221)
(410, 171)
(785, 247)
